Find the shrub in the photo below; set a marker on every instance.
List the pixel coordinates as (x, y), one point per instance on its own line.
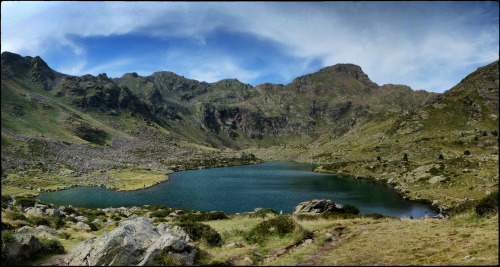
(56, 222)
(26, 202)
(164, 258)
(65, 235)
(69, 210)
(405, 157)
(463, 207)
(199, 231)
(279, 225)
(36, 220)
(15, 216)
(489, 204)
(71, 219)
(265, 211)
(338, 215)
(51, 246)
(205, 216)
(7, 238)
(159, 220)
(441, 157)
(348, 208)
(466, 152)
(93, 227)
(115, 217)
(307, 217)
(6, 198)
(374, 216)
(434, 171)
(159, 213)
(6, 226)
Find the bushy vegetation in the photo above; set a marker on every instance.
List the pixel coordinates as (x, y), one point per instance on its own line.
(340, 216)
(55, 222)
(7, 238)
(26, 202)
(6, 226)
(463, 207)
(164, 258)
(204, 216)
(51, 246)
(6, 198)
(327, 216)
(93, 227)
(279, 225)
(15, 216)
(159, 213)
(349, 208)
(200, 231)
(489, 204)
(37, 220)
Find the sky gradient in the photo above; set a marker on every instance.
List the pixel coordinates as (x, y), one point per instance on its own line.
(425, 45)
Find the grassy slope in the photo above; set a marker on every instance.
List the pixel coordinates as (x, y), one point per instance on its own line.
(464, 239)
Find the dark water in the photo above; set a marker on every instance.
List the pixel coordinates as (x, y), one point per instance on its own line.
(276, 185)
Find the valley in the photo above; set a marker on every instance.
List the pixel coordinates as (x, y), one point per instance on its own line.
(130, 133)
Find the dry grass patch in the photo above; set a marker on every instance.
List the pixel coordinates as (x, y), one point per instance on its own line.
(422, 242)
(134, 179)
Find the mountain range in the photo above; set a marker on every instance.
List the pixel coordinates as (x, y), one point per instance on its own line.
(60, 130)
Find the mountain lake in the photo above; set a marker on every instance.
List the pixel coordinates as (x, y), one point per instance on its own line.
(277, 185)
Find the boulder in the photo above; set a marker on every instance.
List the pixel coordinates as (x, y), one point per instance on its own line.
(53, 212)
(21, 247)
(40, 206)
(436, 179)
(81, 218)
(317, 206)
(43, 228)
(180, 212)
(97, 221)
(26, 230)
(134, 242)
(82, 225)
(34, 211)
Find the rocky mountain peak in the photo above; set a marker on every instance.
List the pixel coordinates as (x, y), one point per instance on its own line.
(351, 69)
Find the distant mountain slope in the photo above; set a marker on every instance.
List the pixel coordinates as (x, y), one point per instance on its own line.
(87, 126)
(450, 143)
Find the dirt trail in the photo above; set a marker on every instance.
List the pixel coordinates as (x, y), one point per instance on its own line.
(326, 248)
(319, 255)
(57, 260)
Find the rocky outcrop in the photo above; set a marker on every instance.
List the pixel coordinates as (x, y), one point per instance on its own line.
(135, 242)
(317, 206)
(21, 247)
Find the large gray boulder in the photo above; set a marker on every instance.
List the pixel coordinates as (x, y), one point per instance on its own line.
(317, 206)
(22, 247)
(135, 242)
(34, 211)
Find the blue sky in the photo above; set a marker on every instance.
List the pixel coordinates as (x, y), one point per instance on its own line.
(425, 45)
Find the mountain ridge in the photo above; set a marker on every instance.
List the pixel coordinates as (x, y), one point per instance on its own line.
(55, 124)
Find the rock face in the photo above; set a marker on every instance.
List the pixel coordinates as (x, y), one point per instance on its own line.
(318, 206)
(23, 246)
(135, 242)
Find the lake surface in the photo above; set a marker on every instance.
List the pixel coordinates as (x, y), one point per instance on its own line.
(276, 185)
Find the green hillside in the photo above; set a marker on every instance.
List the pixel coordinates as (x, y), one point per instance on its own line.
(72, 130)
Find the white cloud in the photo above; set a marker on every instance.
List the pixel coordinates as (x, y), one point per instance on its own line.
(206, 67)
(393, 42)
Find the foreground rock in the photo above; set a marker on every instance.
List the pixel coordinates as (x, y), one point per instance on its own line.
(317, 206)
(21, 247)
(135, 242)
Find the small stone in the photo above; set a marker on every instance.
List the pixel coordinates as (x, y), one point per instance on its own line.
(247, 261)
